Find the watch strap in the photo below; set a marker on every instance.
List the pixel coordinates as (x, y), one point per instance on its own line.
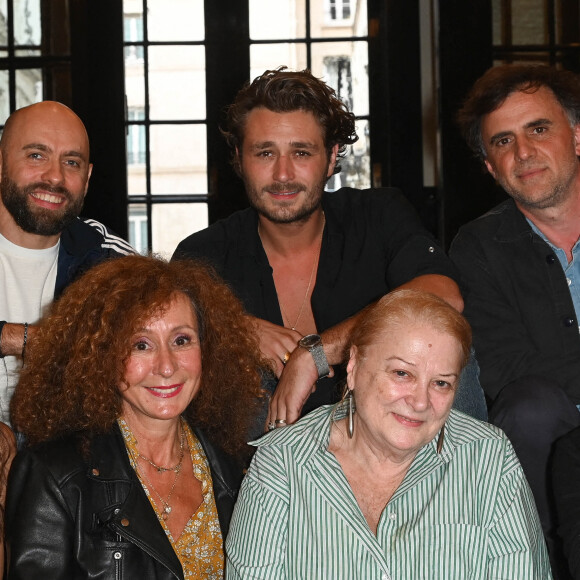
(320, 361)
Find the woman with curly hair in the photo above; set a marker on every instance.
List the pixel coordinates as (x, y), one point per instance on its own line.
(136, 385)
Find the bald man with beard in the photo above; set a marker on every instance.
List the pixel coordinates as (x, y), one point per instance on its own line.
(44, 245)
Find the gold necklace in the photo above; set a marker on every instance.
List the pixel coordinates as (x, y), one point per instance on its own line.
(284, 315)
(166, 511)
(176, 468)
(166, 506)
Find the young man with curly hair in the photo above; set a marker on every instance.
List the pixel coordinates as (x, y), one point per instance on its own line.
(305, 261)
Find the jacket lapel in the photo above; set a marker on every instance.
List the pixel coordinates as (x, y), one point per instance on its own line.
(226, 475)
(121, 503)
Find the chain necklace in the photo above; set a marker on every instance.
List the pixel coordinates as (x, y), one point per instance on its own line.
(166, 511)
(284, 315)
(176, 468)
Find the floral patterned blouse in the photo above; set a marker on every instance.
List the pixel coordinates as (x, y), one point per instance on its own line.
(200, 546)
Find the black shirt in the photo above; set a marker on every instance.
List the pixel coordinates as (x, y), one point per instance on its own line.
(373, 241)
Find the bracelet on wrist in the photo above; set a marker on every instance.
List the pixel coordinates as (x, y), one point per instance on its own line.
(25, 339)
(2, 323)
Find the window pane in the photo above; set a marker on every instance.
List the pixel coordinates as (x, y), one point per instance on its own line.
(27, 52)
(137, 184)
(133, 32)
(4, 97)
(3, 25)
(497, 22)
(270, 56)
(27, 22)
(356, 165)
(28, 87)
(177, 82)
(529, 22)
(175, 221)
(136, 144)
(338, 18)
(344, 66)
(175, 20)
(134, 82)
(178, 159)
(277, 19)
(138, 227)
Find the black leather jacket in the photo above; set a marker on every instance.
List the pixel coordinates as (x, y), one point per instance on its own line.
(68, 519)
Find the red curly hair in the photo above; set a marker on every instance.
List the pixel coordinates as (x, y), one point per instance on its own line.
(76, 360)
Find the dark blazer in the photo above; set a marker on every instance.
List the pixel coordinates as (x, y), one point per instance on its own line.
(68, 518)
(517, 302)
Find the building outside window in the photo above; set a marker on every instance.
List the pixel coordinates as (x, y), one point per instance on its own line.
(136, 147)
(20, 44)
(138, 228)
(339, 9)
(133, 32)
(165, 75)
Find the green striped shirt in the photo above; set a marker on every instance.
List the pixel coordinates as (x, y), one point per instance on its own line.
(467, 513)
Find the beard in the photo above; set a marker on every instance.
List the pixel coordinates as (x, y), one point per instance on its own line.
(37, 220)
(286, 213)
(552, 198)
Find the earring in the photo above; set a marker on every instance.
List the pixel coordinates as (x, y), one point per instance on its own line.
(350, 400)
(440, 439)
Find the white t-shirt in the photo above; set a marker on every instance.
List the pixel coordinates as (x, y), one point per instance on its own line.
(27, 281)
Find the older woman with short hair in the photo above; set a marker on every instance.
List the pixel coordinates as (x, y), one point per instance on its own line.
(144, 375)
(391, 483)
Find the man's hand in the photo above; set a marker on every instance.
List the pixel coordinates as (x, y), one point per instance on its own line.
(297, 383)
(276, 343)
(439, 285)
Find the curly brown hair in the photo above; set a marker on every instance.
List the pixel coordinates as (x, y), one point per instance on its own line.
(284, 91)
(76, 360)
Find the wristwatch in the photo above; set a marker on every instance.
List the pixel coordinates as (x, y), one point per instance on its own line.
(313, 343)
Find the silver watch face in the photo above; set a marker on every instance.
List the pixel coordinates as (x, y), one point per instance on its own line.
(310, 341)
